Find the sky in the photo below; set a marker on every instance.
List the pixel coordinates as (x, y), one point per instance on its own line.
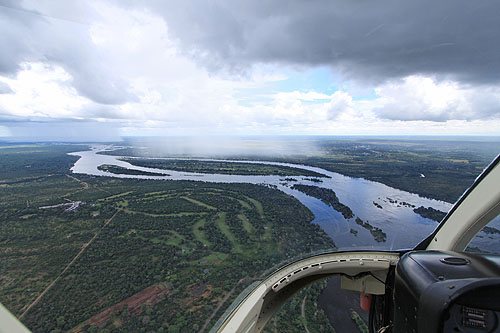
(98, 70)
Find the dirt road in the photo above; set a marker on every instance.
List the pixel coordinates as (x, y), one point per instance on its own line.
(303, 311)
(217, 309)
(68, 265)
(84, 184)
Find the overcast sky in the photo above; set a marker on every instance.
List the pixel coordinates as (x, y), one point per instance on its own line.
(98, 70)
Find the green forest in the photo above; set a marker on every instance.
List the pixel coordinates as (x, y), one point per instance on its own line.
(138, 255)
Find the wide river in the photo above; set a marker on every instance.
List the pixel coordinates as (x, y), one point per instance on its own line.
(403, 227)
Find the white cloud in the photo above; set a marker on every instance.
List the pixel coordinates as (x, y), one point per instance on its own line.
(340, 103)
(422, 98)
(42, 91)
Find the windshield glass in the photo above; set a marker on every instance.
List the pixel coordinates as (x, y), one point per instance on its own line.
(487, 241)
(159, 159)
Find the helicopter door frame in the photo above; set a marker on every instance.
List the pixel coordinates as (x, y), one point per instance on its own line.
(364, 271)
(474, 210)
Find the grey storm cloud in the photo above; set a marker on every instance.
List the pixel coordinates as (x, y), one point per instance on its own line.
(32, 36)
(367, 40)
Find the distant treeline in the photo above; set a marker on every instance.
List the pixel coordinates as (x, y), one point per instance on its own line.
(430, 213)
(125, 171)
(377, 233)
(326, 195)
(217, 167)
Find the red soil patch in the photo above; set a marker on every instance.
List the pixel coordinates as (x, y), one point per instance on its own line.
(208, 291)
(197, 290)
(134, 303)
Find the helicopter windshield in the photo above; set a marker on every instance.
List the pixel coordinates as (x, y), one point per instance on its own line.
(158, 159)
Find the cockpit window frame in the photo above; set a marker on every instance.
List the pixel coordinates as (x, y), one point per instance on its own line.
(454, 233)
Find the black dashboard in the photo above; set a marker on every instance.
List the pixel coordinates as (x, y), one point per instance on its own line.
(435, 291)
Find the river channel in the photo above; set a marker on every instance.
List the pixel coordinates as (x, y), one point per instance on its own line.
(403, 227)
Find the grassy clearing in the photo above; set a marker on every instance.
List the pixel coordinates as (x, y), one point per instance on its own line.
(199, 203)
(122, 204)
(164, 215)
(257, 205)
(116, 196)
(212, 258)
(221, 224)
(246, 223)
(157, 197)
(174, 239)
(199, 234)
(244, 204)
(267, 233)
